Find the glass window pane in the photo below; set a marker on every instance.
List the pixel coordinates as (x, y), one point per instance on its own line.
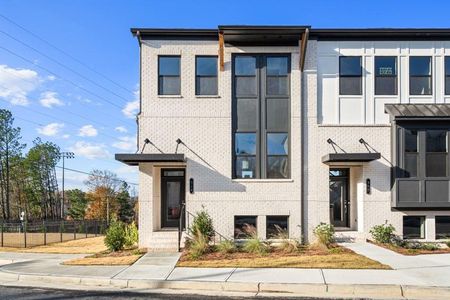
(244, 227)
(277, 85)
(442, 227)
(350, 86)
(169, 85)
(277, 66)
(436, 140)
(385, 66)
(206, 85)
(447, 85)
(420, 85)
(247, 119)
(277, 227)
(245, 86)
(436, 164)
(411, 164)
(206, 66)
(413, 227)
(277, 115)
(447, 66)
(420, 65)
(245, 143)
(277, 167)
(245, 167)
(277, 144)
(169, 65)
(350, 66)
(385, 85)
(410, 140)
(245, 65)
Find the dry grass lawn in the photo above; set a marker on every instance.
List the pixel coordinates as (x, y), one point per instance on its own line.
(335, 258)
(106, 258)
(86, 245)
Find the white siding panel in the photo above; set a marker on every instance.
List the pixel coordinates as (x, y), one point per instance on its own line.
(351, 110)
(328, 88)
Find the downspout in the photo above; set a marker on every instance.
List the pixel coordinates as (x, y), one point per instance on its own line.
(138, 35)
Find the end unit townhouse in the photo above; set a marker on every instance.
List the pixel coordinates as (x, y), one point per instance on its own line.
(290, 126)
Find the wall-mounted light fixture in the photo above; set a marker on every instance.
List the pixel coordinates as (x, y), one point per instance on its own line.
(368, 186)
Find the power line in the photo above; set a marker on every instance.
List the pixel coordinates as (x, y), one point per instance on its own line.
(63, 65)
(65, 53)
(99, 176)
(62, 78)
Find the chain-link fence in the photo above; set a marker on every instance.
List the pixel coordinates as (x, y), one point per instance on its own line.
(37, 233)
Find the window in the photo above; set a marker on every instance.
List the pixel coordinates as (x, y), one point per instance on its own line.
(436, 156)
(169, 82)
(244, 227)
(411, 153)
(277, 227)
(385, 75)
(413, 227)
(442, 227)
(206, 75)
(420, 75)
(350, 75)
(261, 116)
(447, 75)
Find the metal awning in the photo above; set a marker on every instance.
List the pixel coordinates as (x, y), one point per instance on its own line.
(135, 159)
(411, 111)
(350, 157)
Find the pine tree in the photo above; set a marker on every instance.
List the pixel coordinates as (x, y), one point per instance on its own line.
(78, 204)
(125, 212)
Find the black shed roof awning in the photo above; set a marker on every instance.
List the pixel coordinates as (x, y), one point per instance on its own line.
(135, 159)
(422, 111)
(350, 157)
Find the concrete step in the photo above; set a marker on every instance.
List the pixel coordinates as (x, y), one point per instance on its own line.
(350, 237)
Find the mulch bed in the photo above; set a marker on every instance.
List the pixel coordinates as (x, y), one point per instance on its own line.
(410, 252)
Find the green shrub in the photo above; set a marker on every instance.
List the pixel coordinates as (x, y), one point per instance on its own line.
(289, 246)
(383, 233)
(226, 247)
(115, 236)
(430, 246)
(448, 244)
(131, 235)
(198, 247)
(324, 233)
(202, 225)
(255, 245)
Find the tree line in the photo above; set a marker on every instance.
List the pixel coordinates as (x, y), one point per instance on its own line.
(28, 183)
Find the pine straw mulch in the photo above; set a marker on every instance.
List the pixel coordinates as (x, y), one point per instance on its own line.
(336, 257)
(410, 252)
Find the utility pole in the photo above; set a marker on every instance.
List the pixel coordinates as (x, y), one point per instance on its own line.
(63, 155)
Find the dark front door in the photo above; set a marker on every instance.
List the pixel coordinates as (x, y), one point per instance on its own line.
(339, 197)
(172, 196)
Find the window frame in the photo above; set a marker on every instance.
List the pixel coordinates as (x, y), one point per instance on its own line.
(446, 61)
(423, 225)
(244, 216)
(173, 76)
(447, 237)
(351, 76)
(277, 216)
(421, 76)
(391, 76)
(197, 93)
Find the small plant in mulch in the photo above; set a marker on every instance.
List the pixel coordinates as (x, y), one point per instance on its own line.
(254, 244)
(325, 234)
(383, 233)
(286, 244)
(120, 235)
(226, 247)
(202, 225)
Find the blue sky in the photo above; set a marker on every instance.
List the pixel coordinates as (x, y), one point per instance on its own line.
(94, 116)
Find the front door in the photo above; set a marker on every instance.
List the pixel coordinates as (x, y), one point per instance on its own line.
(339, 197)
(172, 196)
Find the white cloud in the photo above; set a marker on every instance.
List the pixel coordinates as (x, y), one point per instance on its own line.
(50, 99)
(121, 129)
(88, 130)
(51, 129)
(89, 150)
(132, 108)
(126, 143)
(66, 136)
(16, 84)
(51, 77)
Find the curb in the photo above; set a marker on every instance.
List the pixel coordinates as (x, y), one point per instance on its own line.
(262, 288)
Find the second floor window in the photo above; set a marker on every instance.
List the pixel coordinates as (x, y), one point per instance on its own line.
(447, 75)
(206, 75)
(169, 82)
(420, 75)
(350, 75)
(385, 75)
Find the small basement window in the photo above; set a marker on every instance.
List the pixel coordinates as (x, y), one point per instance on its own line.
(413, 227)
(442, 227)
(244, 227)
(277, 227)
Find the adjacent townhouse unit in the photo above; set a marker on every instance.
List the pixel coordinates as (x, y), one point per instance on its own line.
(289, 126)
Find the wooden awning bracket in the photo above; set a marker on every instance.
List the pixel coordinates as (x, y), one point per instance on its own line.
(303, 43)
(221, 52)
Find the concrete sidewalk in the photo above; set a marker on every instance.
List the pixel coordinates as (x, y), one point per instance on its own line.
(415, 277)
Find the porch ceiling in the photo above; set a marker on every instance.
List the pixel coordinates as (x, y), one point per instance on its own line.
(349, 157)
(136, 158)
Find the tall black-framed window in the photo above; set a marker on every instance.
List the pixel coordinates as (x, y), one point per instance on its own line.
(411, 152)
(386, 75)
(169, 81)
(420, 75)
(436, 156)
(206, 75)
(350, 75)
(447, 75)
(261, 103)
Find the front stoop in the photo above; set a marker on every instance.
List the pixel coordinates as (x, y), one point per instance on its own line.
(165, 241)
(350, 237)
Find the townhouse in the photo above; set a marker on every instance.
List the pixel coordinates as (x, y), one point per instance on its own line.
(285, 127)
